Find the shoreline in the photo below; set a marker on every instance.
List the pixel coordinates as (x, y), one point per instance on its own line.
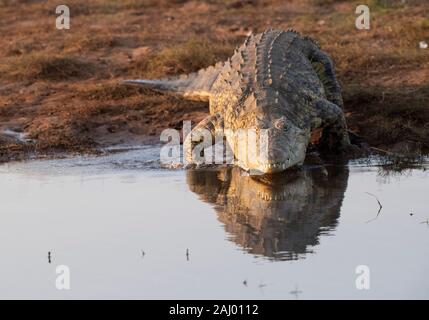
(61, 89)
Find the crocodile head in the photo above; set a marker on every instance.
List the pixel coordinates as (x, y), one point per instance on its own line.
(272, 144)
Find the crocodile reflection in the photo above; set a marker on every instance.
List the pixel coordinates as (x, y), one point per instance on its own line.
(281, 217)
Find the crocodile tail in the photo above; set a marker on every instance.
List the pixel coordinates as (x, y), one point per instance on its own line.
(194, 86)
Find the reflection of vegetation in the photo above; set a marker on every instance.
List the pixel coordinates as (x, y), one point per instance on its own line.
(400, 164)
(393, 165)
(397, 165)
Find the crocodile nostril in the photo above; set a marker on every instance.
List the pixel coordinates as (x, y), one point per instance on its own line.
(280, 123)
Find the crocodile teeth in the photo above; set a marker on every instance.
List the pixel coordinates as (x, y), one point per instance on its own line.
(275, 165)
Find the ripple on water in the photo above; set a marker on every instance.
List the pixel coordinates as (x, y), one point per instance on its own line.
(118, 159)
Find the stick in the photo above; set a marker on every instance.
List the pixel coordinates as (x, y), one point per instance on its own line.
(379, 209)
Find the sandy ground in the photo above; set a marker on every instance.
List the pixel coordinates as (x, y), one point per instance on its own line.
(59, 88)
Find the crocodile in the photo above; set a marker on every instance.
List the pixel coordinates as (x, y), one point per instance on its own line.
(278, 83)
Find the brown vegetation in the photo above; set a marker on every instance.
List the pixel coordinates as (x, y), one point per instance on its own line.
(60, 87)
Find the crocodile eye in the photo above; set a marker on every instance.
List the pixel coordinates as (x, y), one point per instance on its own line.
(280, 123)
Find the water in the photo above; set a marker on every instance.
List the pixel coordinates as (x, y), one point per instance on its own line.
(301, 235)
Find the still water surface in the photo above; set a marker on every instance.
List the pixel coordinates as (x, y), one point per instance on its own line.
(300, 235)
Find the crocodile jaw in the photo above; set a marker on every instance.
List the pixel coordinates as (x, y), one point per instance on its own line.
(280, 153)
(260, 166)
(272, 167)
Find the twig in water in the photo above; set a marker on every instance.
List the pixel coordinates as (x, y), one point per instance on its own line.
(261, 287)
(296, 292)
(426, 222)
(379, 209)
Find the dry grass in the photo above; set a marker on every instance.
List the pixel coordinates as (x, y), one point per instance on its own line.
(110, 91)
(61, 86)
(34, 67)
(390, 116)
(186, 57)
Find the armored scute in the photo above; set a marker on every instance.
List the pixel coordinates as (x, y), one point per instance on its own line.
(278, 83)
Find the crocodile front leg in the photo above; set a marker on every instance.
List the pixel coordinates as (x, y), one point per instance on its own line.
(201, 137)
(327, 75)
(334, 136)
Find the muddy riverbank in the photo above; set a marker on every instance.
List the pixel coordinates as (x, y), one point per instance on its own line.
(59, 88)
